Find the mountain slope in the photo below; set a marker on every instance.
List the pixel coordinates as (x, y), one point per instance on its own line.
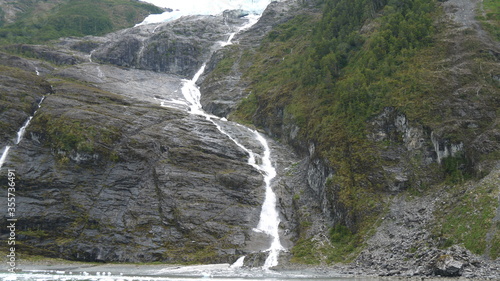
(399, 100)
(391, 107)
(39, 21)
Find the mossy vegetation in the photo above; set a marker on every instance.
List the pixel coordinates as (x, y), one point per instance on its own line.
(74, 18)
(332, 73)
(305, 251)
(360, 56)
(78, 128)
(490, 17)
(190, 253)
(468, 218)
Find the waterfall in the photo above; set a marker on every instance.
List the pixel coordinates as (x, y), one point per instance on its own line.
(251, 21)
(20, 133)
(4, 156)
(269, 217)
(90, 55)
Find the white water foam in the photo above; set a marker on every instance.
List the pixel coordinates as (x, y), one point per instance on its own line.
(269, 217)
(4, 156)
(202, 7)
(238, 263)
(252, 19)
(20, 133)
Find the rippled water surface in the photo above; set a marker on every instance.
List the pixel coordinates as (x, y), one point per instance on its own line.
(170, 273)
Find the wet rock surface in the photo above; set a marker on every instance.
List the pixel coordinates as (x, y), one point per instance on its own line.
(112, 166)
(173, 182)
(222, 91)
(113, 169)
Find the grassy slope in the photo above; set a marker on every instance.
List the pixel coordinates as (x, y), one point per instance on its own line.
(490, 17)
(332, 85)
(43, 21)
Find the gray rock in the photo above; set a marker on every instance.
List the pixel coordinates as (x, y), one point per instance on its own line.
(447, 266)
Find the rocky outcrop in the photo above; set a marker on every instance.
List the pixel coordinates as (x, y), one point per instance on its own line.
(45, 53)
(222, 86)
(448, 266)
(179, 47)
(136, 182)
(403, 245)
(154, 184)
(21, 90)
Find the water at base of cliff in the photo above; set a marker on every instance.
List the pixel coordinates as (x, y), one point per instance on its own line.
(121, 272)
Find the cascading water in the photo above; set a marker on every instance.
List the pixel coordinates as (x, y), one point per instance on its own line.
(269, 218)
(20, 135)
(4, 155)
(251, 21)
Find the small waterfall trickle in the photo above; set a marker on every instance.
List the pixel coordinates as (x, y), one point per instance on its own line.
(90, 55)
(4, 156)
(238, 263)
(20, 134)
(251, 21)
(22, 130)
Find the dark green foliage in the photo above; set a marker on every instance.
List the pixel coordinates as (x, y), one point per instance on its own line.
(358, 59)
(469, 216)
(340, 234)
(490, 19)
(361, 56)
(455, 169)
(344, 243)
(305, 252)
(75, 18)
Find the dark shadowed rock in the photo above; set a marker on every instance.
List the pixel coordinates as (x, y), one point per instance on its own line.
(447, 266)
(154, 184)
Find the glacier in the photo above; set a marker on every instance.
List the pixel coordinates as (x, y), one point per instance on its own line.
(202, 7)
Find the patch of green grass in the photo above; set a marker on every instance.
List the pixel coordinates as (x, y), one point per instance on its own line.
(225, 65)
(491, 18)
(495, 242)
(190, 253)
(305, 251)
(345, 244)
(468, 218)
(455, 169)
(74, 18)
(34, 233)
(67, 134)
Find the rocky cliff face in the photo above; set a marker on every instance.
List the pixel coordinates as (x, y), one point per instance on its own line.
(137, 183)
(106, 173)
(415, 154)
(113, 168)
(21, 90)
